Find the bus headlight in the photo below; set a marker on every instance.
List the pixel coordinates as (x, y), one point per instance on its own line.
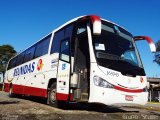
(101, 82)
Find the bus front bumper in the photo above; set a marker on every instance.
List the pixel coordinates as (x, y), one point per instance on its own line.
(111, 96)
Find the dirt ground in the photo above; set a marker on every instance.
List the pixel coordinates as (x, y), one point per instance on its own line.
(30, 108)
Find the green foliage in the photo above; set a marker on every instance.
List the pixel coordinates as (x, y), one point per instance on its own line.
(6, 52)
(157, 54)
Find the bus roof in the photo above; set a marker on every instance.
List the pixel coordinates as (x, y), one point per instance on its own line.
(65, 24)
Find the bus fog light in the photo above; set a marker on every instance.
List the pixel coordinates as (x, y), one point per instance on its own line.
(101, 82)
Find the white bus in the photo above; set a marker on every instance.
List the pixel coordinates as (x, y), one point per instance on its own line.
(88, 59)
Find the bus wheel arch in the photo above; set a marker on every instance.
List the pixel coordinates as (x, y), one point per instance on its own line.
(51, 99)
(51, 81)
(50, 89)
(51, 95)
(10, 90)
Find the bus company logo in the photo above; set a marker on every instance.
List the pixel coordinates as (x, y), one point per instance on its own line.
(63, 66)
(25, 69)
(40, 65)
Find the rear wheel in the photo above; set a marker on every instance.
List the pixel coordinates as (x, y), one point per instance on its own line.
(10, 92)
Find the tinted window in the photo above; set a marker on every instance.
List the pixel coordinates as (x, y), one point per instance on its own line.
(39, 49)
(29, 54)
(115, 50)
(9, 64)
(68, 31)
(64, 52)
(42, 47)
(12, 63)
(59, 35)
(20, 58)
(56, 41)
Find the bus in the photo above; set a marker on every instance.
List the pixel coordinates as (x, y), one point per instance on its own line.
(88, 59)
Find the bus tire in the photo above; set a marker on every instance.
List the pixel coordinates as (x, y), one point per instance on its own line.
(52, 96)
(10, 91)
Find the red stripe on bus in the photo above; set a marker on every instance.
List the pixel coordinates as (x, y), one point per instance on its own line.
(61, 96)
(26, 90)
(71, 96)
(128, 90)
(35, 91)
(6, 87)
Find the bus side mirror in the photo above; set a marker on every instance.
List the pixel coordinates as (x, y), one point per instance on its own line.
(96, 21)
(149, 40)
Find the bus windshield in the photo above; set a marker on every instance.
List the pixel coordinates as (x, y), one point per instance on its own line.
(115, 49)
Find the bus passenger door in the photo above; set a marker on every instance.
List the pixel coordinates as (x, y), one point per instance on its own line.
(63, 75)
(81, 63)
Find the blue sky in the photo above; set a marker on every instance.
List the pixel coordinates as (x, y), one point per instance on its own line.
(23, 22)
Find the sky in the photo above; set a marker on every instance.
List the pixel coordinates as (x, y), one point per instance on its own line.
(23, 22)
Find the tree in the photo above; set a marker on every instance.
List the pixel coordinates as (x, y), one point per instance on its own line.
(6, 52)
(157, 54)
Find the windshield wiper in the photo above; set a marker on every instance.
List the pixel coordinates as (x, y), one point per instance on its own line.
(107, 56)
(127, 66)
(114, 58)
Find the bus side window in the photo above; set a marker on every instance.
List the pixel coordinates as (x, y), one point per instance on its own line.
(64, 52)
(9, 64)
(42, 47)
(68, 31)
(20, 58)
(59, 35)
(12, 63)
(29, 54)
(81, 30)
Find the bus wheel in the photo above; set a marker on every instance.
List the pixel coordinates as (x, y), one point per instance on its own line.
(10, 92)
(52, 95)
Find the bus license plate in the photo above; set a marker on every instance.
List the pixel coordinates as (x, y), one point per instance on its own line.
(128, 98)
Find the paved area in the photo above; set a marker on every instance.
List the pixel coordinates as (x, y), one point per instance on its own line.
(29, 108)
(153, 104)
